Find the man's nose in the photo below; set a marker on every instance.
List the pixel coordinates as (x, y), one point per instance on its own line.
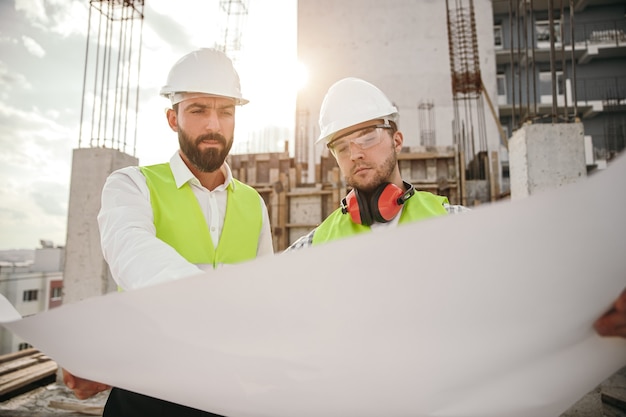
(356, 152)
(212, 122)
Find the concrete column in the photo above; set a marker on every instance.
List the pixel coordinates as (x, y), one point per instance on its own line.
(546, 156)
(86, 273)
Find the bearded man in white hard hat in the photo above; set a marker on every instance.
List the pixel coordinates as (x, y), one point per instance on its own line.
(358, 124)
(168, 221)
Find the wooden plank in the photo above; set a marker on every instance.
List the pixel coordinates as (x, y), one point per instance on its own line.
(262, 189)
(283, 213)
(273, 177)
(305, 192)
(613, 404)
(292, 178)
(14, 355)
(18, 364)
(301, 225)
(296, 179)
(263, 172)
(405, 169)
(23, 377)
(431, 170)
(425, 155)
(338, 193)
(494, 174)
(252, 175)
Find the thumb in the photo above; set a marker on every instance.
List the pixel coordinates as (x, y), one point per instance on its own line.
(68, 379)
(620, 303)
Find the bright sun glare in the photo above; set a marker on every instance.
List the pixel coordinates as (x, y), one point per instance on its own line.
(301, 76)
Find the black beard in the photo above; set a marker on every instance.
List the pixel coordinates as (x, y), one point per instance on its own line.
(211, 159)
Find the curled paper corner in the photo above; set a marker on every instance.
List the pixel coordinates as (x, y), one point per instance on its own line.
(8, 313)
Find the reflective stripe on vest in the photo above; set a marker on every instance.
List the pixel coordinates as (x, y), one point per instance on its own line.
(179, 220)
(420, 206)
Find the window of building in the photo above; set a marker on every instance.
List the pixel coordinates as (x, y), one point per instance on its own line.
(57, 293)
(501, 83)
(23, 346)
(545, 86)
(542, 31)
(30, 295)
(498, 37)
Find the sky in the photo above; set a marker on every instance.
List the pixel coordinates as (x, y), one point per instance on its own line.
(42, 55)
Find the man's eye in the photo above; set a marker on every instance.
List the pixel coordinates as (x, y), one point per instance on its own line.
(341, 147)
(367, 140)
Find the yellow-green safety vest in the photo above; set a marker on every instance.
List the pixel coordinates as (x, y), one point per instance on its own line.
(179, 220)
(420, 206)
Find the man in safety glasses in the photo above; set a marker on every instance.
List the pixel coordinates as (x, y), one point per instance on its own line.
(358, 124)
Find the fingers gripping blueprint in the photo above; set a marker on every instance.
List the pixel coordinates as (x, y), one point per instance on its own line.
(488, 313)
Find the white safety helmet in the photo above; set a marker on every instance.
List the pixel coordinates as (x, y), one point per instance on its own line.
(351, 101)
(205, 71)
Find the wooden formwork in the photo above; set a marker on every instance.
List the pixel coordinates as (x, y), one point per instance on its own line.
(434, 169)
(295, 208)
(23, 370)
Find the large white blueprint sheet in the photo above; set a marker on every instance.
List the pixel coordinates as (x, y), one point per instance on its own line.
(484, 314)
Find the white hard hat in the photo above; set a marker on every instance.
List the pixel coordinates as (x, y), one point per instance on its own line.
(205, 71)
(351, 101)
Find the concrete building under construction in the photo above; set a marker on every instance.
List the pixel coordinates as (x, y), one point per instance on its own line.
(470, 96)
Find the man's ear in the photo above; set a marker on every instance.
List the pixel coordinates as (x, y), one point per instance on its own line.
(172, 119)
(398, 140)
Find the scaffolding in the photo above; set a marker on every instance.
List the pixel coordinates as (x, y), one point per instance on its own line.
(522, 58)
(236, 12)
(109, 106)
(426, 115)
(469, 128)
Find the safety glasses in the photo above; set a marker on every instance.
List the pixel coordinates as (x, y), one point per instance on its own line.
(363, 138)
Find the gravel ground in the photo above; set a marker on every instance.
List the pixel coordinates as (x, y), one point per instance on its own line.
(52, 400)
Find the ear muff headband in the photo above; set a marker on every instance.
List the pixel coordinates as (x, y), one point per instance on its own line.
(384, 205)
(358, 209)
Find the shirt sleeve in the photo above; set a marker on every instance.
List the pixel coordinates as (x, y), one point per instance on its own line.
(302, 242)
(136, 257)
(456, 209)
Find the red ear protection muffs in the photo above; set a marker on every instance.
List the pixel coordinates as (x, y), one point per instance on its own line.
(383, 206)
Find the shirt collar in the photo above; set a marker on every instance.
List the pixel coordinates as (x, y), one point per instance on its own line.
(182, 174)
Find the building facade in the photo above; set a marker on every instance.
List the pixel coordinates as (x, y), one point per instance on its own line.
(31, 288)
(564, 62)
(523, 48)
(403, 47)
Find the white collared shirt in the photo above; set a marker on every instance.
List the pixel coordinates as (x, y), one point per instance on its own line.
(136, 257)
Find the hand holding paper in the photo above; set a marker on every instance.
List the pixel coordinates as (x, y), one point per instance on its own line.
(438, 326)
(82, 388)
(613, 322)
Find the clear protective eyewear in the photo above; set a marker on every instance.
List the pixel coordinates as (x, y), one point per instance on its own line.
(368, 137)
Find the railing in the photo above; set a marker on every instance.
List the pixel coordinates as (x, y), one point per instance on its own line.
(606, 32)
(608, 90)
(603, 32)
(608, 145)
